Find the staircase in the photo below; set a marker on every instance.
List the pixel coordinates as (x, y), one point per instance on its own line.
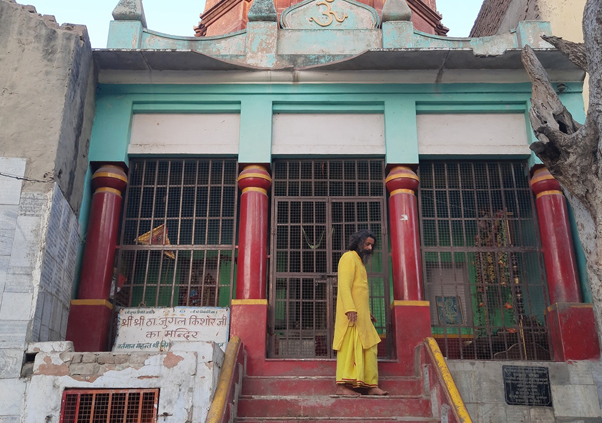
(301, 398)
(253, 388)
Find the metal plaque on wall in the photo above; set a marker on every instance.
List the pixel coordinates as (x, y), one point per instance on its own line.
(527, 385)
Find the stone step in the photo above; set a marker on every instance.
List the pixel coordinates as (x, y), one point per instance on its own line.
(321, 385)
(366, 407)
(336, 420)
(316, 367)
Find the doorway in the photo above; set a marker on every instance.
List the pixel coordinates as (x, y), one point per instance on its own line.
(316, 206)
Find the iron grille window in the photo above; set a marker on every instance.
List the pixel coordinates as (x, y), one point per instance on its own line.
(178, 234)
(110, 405)
(482, 260)
(317, 206)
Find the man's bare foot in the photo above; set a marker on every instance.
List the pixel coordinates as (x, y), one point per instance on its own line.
(376, 391)
(345, 391)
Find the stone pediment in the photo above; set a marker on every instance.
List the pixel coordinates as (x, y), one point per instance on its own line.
(329, 14)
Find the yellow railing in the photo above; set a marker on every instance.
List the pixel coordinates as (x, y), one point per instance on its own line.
(447, 382)
(225, 383)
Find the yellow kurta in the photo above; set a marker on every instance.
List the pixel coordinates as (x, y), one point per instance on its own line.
(353, 295)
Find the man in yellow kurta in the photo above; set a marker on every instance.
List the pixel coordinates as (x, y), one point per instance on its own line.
(355, 338)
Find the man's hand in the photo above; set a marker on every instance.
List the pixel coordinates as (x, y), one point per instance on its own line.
(352, 316)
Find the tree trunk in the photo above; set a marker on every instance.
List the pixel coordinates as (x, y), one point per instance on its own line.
(570, 151)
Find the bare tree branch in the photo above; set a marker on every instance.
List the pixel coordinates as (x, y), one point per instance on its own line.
(574, 51)
(551, 121)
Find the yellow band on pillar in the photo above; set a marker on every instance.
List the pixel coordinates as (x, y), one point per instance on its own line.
(254, 189)
(92, 303)
(110, 190)
(110, 175)
(401, 303)
(555, 307)
(254, 175)
(249, 302)
(402, 191)
(452, 336)
(551, 192)
(541, 178)
(402, 176)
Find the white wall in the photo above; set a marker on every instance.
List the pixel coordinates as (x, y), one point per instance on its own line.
(216, 133)
(337, 134)
(186, 380)
(472, 134)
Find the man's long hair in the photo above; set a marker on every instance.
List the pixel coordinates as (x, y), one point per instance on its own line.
(358, 239)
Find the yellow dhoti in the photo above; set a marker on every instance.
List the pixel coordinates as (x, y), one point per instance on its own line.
(356, 366)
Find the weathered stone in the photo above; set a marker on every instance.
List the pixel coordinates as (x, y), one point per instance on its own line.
(576, 401)
(56, 346)
(107, 368)
(396, 10)
(121, 358)
(517, 414)
(77, 358)
(12, 395)
(13, 333)
(50, 365)
(16, 306)
(581, 373)
(541, 415)
(105, 358)
(262, 11)
(129, 10)
(89, 358)
(50, 21)
(31, 129)
(10, 363)
(492, 412)
(138, 358)
(84, 369)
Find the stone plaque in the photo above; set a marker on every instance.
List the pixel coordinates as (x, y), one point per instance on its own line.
(527, 385)
(159, 329)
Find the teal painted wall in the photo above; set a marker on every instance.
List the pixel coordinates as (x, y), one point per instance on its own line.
(400, 103)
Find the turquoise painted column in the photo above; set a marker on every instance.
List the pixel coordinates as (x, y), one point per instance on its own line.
(401, 131)
(255, 145)
(111, 130)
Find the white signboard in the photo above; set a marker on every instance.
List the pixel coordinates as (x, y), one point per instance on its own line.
(160, 329)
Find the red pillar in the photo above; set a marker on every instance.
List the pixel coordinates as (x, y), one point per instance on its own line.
(90, 315)
(254, 182)
(248, 317)
(402, 183)
(571, 323)
(556, 242)
(408, 304)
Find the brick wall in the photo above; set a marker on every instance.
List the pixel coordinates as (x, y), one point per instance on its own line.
(489, 18)
(501, 16)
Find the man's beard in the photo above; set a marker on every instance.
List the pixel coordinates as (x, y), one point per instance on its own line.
(365, 255)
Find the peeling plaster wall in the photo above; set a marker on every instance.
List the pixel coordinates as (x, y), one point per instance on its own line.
(186, 380)
(47, 90)
(47, 86)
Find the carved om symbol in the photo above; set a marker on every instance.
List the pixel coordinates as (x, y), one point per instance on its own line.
(330, 15)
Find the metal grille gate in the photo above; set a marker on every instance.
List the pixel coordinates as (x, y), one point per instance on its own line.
(317, 206)
(178, 233)
(482, 260)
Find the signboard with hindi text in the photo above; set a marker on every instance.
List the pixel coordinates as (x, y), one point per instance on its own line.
(161, 329)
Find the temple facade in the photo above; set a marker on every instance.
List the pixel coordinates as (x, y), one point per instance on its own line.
(184, 268)
(225, 16)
